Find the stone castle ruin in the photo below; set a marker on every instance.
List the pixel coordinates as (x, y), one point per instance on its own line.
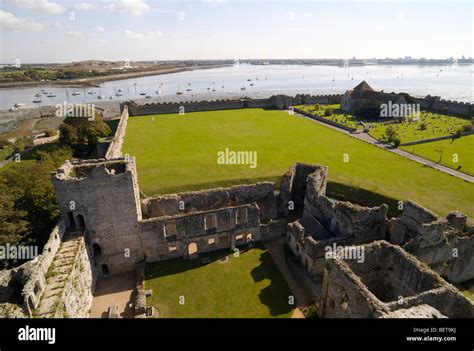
(108, 226)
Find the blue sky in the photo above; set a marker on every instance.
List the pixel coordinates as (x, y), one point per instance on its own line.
(65, 30)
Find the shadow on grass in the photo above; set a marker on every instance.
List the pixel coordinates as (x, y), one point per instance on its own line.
(276, 295)
(362, 197)
(217, 184)
(180, 265)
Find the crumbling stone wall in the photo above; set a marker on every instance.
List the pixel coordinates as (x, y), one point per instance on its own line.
(102, 198)
(326, 222)
(23, 286)
(188, 202)
(445, 244)
(124, 229)
(388, 280)
(170, 236)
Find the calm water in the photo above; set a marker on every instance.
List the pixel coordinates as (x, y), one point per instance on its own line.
(449, 82)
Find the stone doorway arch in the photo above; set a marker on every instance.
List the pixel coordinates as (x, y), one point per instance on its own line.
(96, 250)
(81, 222)
(70, 220)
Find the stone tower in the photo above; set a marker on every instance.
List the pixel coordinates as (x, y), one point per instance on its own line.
(101, 198)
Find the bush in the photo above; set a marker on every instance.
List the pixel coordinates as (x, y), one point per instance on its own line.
(396, 142)
(50, 132)
(3, 143)
(467, 128)
(458, 133)
(423, 126)
(328, 112)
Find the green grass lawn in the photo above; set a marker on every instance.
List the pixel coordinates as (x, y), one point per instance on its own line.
(446, 151)
(338, 116)
(176, 153)
(436, 125)
(467, 289)
(248, 286)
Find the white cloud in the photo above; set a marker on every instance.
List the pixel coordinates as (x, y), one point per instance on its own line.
(99, 29)
(132, 7)
(40, 5)
(9, 21)
(73, 34)
(143, 36)
(84, 6)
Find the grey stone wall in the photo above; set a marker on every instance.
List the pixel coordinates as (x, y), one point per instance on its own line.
(77, 296)
(389, 280)
(115, 148)
(24, 285)
(280, 102)
(103, 199)
(168, 205)
(170, 236)
(445, 244)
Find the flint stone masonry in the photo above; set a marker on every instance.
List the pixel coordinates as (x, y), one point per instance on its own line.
(389, 280)
(445, 244)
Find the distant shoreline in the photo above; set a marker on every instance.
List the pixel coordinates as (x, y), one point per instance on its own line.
(91, 82)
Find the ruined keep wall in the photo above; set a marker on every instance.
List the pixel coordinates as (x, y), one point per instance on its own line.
(344, 295)
(353, 290)
(105, 197)
(345, 219)
(445, 244)
(293, 186)
(169, 205)
(325, 222)
(159, 234)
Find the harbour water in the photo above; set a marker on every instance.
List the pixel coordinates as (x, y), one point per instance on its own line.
(449, 82)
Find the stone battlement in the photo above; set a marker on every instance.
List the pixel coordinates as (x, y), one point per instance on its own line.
(280, 102)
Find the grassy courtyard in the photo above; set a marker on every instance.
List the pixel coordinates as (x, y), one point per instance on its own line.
(248, 286)
(450, 153)
(430, 125)
(177, 153)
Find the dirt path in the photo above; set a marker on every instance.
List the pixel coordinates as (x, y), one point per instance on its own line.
(371, 140)
(303, 298)
(111, 290)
